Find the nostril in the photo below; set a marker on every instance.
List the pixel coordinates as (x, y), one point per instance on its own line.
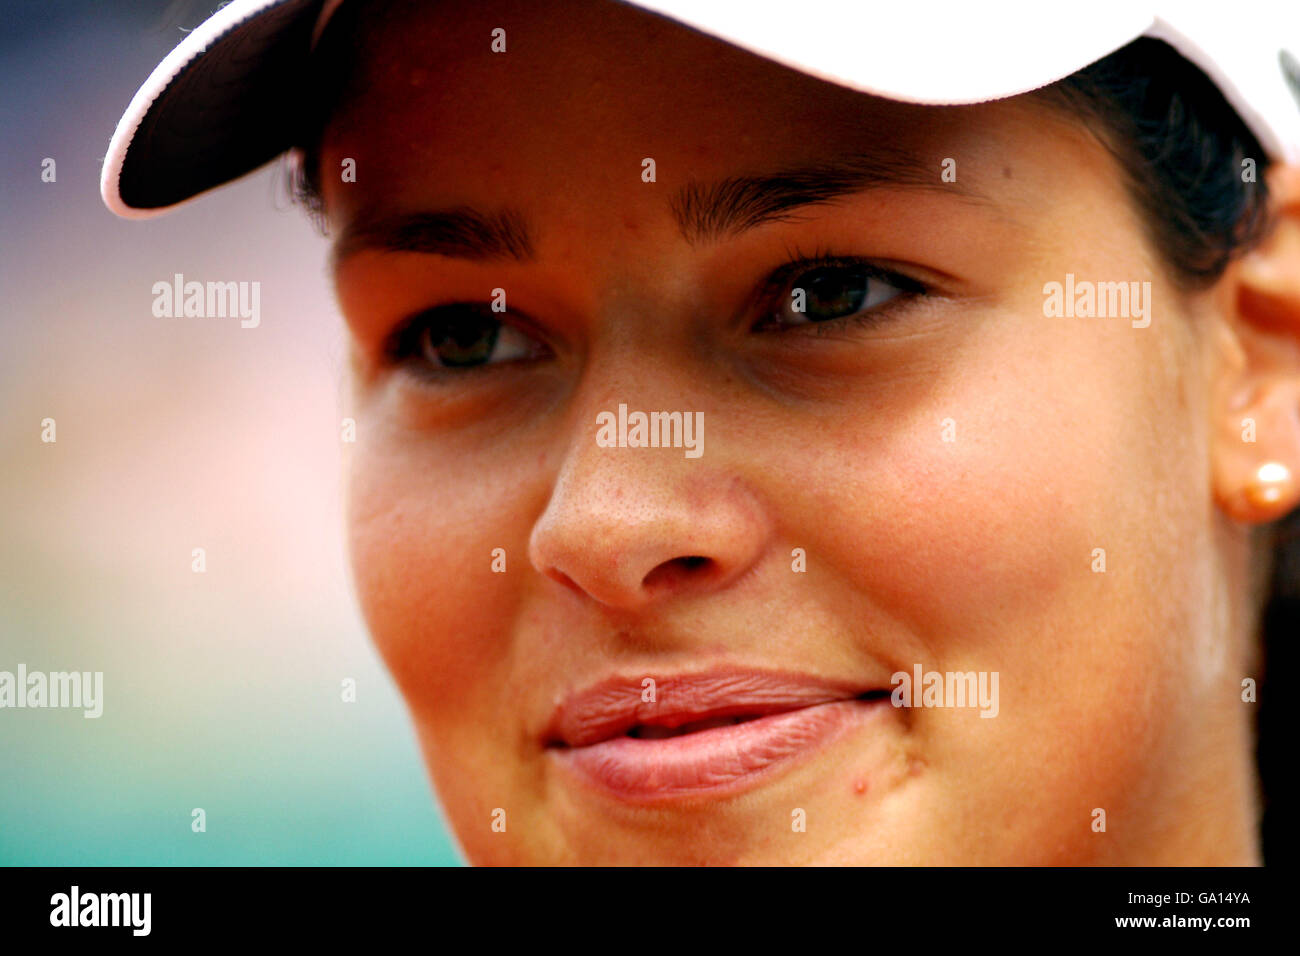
(556, 575)
(676, 570)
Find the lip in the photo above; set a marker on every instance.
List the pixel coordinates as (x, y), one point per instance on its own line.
(619, 743)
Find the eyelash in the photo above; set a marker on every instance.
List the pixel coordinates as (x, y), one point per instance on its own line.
(403, 345)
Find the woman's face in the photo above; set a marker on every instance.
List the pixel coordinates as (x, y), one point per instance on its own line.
(920, 469)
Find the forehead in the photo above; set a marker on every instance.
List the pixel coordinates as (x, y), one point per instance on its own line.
(582, 95)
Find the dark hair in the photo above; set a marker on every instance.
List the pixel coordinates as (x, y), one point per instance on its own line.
(327, 81)
(1185, 152)
(1182, 148)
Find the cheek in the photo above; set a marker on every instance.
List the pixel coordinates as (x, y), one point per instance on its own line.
(422, 535)
(980, 504)
(983, 552)
(422, 530)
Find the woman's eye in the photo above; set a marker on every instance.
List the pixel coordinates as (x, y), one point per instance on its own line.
(835, 291)
(461, 336)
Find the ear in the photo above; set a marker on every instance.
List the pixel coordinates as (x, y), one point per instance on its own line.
(1256, 438)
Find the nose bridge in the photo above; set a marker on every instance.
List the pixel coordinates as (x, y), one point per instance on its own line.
(639, 510)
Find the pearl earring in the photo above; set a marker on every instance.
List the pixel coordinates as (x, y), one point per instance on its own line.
(1271, 483)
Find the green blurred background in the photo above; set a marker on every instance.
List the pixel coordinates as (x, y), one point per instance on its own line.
(222, 690)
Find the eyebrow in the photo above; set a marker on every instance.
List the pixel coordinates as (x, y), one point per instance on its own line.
(703, 212)
(707, 213)
(461, 232)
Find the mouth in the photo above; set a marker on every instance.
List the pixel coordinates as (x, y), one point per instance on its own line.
(700, 735)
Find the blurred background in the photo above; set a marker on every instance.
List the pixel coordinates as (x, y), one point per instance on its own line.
(222, 690)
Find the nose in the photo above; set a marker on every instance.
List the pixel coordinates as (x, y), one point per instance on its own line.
(632, 527)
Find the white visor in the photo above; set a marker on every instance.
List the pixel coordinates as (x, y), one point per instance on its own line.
(222, 103)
